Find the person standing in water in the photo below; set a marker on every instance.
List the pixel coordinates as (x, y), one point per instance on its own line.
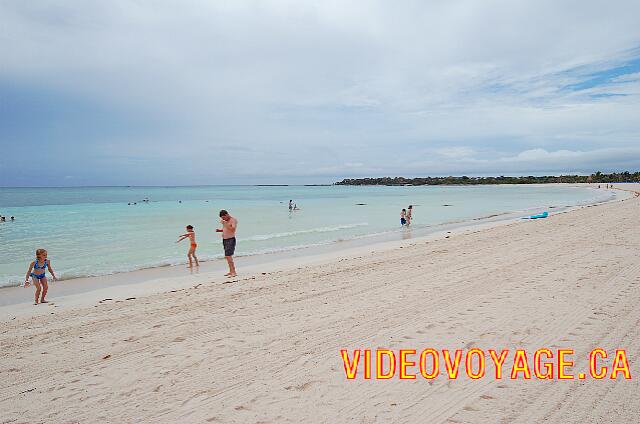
(290, 205)
(228, 230)
(191, 255)
(403, 217)
(409, 214)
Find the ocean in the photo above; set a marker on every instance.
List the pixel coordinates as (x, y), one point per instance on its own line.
(99, 230)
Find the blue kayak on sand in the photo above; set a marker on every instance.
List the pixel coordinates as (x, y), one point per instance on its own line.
(540, 215)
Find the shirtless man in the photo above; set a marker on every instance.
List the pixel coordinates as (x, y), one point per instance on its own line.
(228, 230)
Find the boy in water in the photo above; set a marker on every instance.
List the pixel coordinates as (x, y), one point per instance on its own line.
(403, 217)
(228, 230)
(191, 235)
(39, 277)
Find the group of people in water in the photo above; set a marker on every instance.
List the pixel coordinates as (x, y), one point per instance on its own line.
(293, 206)
(36, 273)
(405, 216)
(4, 218)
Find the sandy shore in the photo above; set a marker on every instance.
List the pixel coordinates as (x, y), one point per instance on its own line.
(266, 347)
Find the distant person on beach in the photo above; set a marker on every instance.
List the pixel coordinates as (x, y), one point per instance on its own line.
(290, 205)
(39, 277)
(228, 230)
(409, 214)
(403, 217)
(191, 255)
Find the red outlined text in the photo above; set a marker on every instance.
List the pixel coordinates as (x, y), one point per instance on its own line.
(475, 364)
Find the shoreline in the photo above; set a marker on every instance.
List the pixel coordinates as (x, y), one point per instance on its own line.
(370, 238)
(15, 301)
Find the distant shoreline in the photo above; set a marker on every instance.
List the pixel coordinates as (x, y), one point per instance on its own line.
(595, 178)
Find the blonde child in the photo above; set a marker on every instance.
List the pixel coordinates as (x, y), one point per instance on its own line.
(191, 255)
(39, 268)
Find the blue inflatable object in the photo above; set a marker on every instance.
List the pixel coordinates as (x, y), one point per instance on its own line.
(540, 215)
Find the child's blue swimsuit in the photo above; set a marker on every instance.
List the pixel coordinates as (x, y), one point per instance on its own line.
(43, 268)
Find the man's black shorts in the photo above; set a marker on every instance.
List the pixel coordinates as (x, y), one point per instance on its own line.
(229, 246)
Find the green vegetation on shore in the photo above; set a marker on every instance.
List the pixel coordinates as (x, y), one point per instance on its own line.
(598, 177)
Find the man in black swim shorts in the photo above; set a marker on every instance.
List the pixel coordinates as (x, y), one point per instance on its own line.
(228, 230)
(229, 246)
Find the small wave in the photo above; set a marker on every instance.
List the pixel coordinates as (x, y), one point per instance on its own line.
(311, 230)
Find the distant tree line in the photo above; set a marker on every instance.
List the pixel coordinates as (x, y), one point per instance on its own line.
(597, 177)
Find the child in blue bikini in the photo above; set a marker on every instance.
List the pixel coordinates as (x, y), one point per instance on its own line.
(37, 271)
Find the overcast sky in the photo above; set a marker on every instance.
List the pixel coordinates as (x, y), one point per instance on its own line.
(234, 92)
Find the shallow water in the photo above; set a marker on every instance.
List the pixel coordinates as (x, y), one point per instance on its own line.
(93, 231)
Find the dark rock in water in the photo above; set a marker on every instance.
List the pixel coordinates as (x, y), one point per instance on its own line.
(361, 204)
(447, 205)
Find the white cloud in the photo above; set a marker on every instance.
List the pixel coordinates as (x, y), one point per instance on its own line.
(248, 88)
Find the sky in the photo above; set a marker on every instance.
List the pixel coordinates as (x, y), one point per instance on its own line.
(286, 92)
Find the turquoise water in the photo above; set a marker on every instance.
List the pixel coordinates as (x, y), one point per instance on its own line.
(93, 231)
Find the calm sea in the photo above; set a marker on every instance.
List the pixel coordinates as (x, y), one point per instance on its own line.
(94, 230)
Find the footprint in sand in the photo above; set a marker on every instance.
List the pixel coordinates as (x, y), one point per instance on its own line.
(301, 387)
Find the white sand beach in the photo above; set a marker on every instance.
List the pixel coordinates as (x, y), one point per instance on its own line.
(265, 347)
